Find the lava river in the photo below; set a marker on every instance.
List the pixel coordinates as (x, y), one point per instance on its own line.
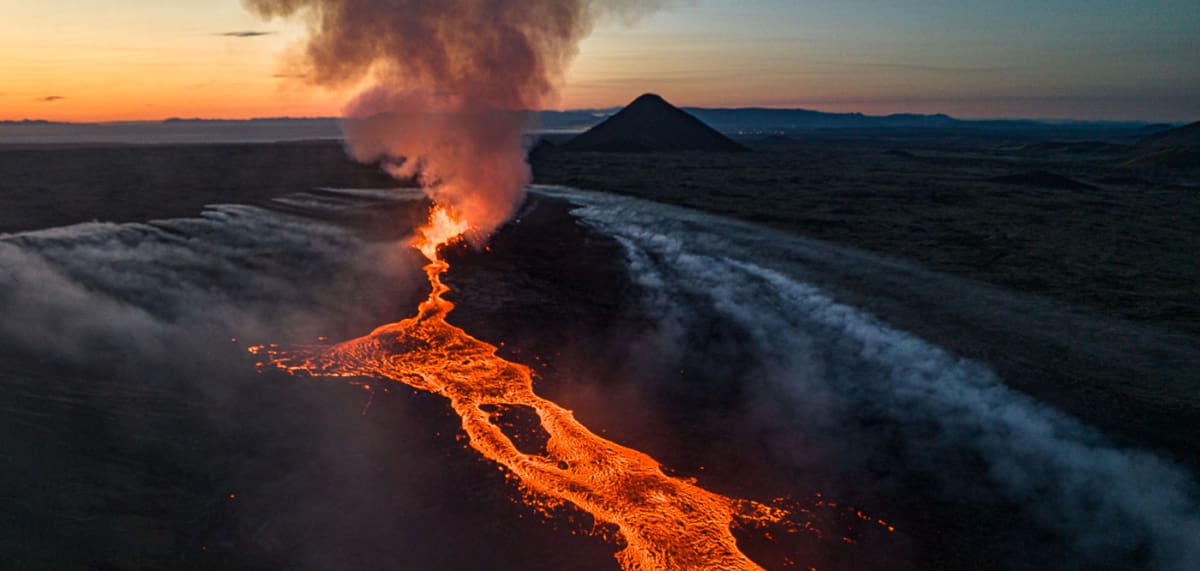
(663, 522)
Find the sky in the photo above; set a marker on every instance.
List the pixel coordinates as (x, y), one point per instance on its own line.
(118, 60)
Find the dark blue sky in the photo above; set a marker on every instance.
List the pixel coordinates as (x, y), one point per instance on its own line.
(1049, 58)
(1086, 59)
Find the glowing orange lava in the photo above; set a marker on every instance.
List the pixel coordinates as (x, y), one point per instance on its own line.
(664, 522)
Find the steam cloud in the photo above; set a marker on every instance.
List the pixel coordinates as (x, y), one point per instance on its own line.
(448, 85)
(72, 290)
(835, 392)
(140, 315)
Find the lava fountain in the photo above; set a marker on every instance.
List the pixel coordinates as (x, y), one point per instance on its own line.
(664, 522)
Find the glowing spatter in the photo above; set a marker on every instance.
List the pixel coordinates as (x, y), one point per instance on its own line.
(664, 522)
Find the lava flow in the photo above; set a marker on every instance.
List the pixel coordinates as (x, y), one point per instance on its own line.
(664, 522)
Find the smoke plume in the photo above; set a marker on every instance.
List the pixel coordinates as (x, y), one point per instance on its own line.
(842, 401)
(447, 85)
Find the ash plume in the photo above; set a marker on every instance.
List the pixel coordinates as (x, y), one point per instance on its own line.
(447, 85)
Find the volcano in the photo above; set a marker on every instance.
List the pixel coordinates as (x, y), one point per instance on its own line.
(650, 124)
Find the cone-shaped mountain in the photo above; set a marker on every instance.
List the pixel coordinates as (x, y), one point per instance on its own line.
(650, 124)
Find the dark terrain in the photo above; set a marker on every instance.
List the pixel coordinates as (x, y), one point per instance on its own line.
(43, 186)
(1064, 220)
(108, 470)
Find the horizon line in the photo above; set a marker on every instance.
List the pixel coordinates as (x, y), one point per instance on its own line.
(34, 120)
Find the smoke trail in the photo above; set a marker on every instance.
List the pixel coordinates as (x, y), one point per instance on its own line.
(839, 393)
(159, 287)
(448, 85)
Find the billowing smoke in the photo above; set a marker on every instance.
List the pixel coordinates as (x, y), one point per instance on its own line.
(448, 84)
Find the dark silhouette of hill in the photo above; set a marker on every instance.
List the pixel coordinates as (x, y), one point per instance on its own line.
(1043, 179)
(758, 118)
(743, 122)
(541, 147)
(1177, 148)
(1185, 136)
(651, 124)
(751, 120)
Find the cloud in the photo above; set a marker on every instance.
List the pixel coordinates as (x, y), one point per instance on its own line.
(927, 68)
(245, 34)
(52, 98)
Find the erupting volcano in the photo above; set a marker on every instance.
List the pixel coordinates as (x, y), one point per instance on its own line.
(449, 86)
(664, 522)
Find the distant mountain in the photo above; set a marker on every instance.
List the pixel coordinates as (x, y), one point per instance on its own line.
(650, 124)
(573, 120)
(757, 119)
(37, 123)
(170, 131)
(749, 124)
(1185, 136)
(1174, 149)
(255, 120)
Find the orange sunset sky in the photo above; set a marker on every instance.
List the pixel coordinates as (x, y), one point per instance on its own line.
(83, 60)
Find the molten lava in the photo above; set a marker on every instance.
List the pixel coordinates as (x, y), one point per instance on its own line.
(665, 522)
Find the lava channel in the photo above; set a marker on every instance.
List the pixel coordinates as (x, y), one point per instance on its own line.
(664, 522)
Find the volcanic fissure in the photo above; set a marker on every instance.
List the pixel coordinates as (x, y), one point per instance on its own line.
(663, 522)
